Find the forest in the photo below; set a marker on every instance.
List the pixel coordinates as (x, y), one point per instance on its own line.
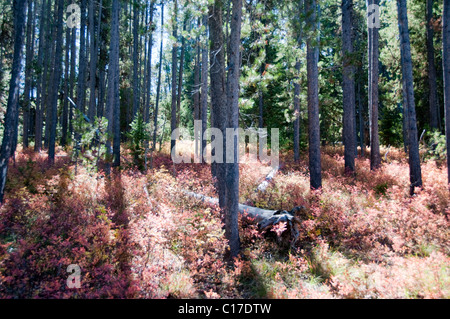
(225, 149)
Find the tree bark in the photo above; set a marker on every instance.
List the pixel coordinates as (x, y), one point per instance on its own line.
(348, 86)
(55, 82)
(432, 82)
(81, 88)
(136, 88)
(375, 157)
(312, 57)
(12, 107)
(173, 113)
(204, 95)
(41, 78)
(196, 89)
(65, 111)
(414, 159)
(28, 70)
(158, 88)
(113, 106)
(93, 62)
(297, 90)
(446, 68)
(297, 112)
(232, 169)
(180, 73)
(217, 89)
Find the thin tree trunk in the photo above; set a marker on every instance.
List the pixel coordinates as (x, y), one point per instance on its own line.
(414, 159)
(148, 71)
(81, 88)
(361, 120)
(196, 90)
(51, 65)
(113, 106)
(204, 95)
(297, 112)
(375, 157)
(149, 66)
(28, 70)
(40, 79)
(348, 86)
(218, 92)
(55, 81)
(158, 88)
(232, 169)
(19, 9)
(432, 82)
(93, 62)
(312, 57)
(180, 74)
(405, 113)
(102, 60)
(65, 111)
(173, 117)
(46, 76)
(446, 68)
(297, 89)
(136, 88)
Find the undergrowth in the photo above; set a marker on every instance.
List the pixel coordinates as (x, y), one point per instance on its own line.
(137, 235)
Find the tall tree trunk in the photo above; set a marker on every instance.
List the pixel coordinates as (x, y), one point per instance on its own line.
(148, 72)
(93, 62)
(149, 65)
(113, 106)
(348, 86)
(12, 106)
(297, 112)
(405, 113)
(47, 71)
(414, 159)
(73, 61)
(28, 69)
(432, 82)
(65, 111)
(81, 88)
(158, 87)
(204, 95)
(196, 90)
(232, 169)
(375, 157)
(52, 32)
(446, 68)
(180, 74)
(173, 113)
(312, 57)
(297, 89)
(40, 79)
(102, 59)
(55, 81)
(218, 92)
(136, 87)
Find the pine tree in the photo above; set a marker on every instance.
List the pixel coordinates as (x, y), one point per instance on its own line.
(12, 107)
(312, 57)
(348, 86)
(407, 72)
(446, 68)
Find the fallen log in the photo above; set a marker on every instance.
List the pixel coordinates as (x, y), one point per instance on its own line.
(266, 219)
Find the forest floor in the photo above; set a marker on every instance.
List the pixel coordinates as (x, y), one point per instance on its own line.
(140, 236)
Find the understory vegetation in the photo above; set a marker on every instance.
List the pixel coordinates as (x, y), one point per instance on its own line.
(138, 235)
